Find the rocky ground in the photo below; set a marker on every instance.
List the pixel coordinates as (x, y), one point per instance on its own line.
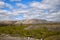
(7, 37)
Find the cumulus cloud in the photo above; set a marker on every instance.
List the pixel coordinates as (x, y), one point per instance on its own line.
(47, 9)
(3, 14)
(3, 4)
(52, 5)
(22, 6)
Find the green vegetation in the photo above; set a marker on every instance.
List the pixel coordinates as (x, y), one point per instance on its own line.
(35, 33)
(55, 37)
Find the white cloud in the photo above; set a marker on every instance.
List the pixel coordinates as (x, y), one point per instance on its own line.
(52, 5)
(53, 16)
(22, 6)
(4, 14)
(2, 4)
(17, 12)
(34, 10)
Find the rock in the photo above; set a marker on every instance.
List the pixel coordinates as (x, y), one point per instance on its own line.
(8, 37)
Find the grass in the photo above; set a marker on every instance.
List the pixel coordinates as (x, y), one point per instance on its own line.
(35, 33)
(55, 37)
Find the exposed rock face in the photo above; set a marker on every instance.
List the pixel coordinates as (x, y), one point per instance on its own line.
(30, 21)
(33, 21)
(18, 23)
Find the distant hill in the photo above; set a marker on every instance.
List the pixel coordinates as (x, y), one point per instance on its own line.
(34, 21)
(28, 21)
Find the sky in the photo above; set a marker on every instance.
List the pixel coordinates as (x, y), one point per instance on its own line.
(30, 9)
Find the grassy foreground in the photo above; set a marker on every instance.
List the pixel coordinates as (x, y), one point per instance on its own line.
(20, 31)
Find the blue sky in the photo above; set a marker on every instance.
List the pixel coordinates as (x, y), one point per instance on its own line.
(30, 9)
(26, 2)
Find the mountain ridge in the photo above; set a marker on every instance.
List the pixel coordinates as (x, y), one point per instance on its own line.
(28, 21)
